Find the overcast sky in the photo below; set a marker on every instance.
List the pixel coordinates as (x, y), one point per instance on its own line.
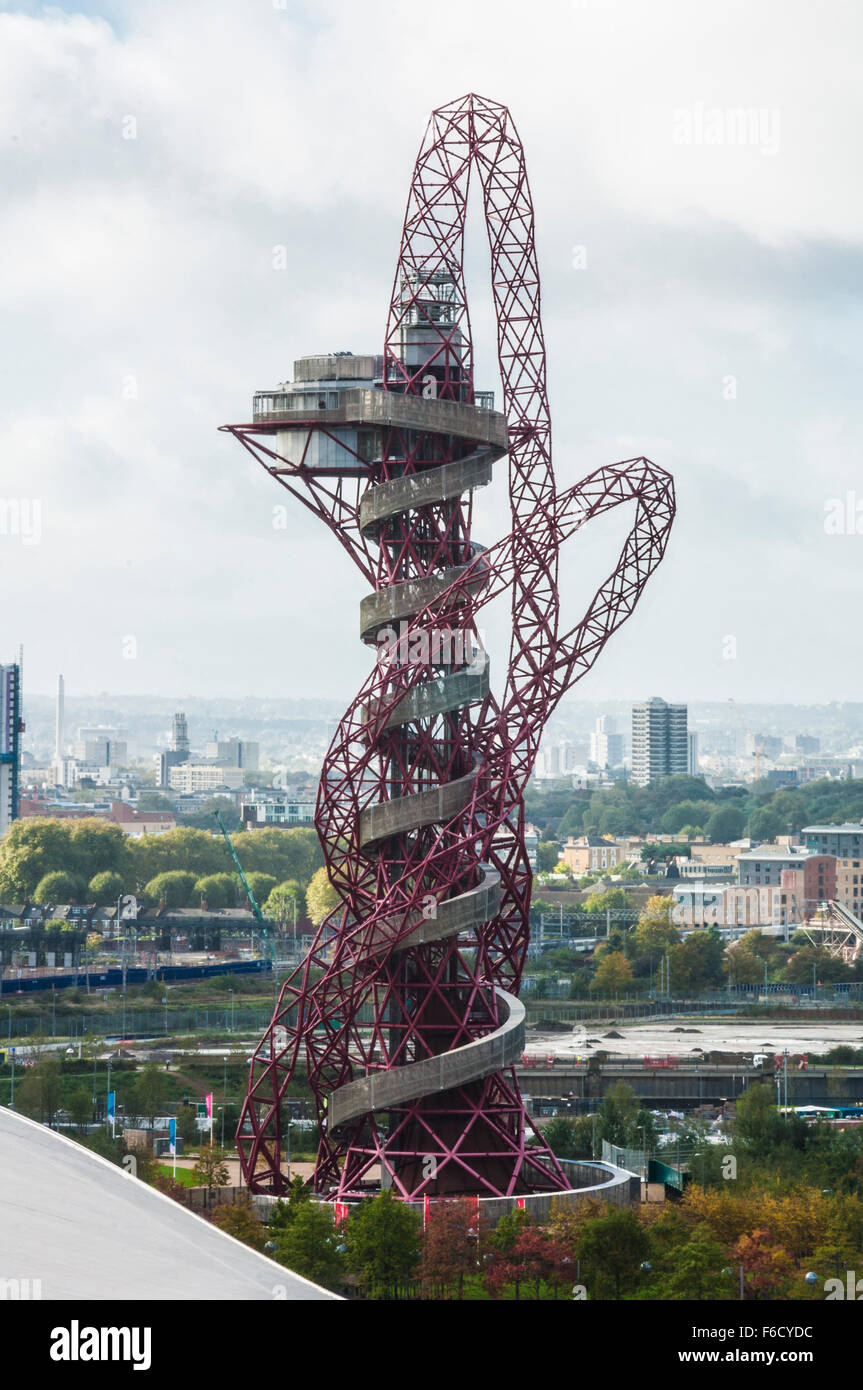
(715, 326)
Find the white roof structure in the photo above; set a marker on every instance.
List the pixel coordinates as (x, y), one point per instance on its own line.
(86, 1229)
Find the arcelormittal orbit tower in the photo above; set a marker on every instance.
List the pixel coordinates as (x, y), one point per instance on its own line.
(405, 1013)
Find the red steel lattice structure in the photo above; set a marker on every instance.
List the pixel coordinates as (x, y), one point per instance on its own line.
(405, 1012)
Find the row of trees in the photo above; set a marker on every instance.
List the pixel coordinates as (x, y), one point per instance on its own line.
(49, 860)
(688, 804)
(696, 1250)
(790, 1202)
(630, 958)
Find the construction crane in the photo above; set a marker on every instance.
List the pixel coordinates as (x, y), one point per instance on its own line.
(259, 916)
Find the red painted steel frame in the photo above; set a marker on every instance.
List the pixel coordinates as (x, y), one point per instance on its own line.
(372, 998)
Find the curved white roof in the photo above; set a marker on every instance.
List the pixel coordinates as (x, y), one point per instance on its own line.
(87, 1230)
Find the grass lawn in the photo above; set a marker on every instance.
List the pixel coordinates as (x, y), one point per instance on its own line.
(185, 1176)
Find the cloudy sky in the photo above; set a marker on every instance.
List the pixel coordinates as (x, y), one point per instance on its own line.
(153, 154)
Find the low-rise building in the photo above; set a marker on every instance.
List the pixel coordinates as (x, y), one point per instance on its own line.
(762, 867)
(842, 841)
(590, 854)
(136, 823)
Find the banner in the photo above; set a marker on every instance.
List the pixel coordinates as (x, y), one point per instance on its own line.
(425, 1209)
(111, 1095)
(341, 1212)
(172, 1135)
(209, 1102)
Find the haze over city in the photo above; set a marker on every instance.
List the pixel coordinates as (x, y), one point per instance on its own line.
(694, 294)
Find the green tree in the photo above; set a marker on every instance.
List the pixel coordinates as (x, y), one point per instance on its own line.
(685, 813)
(284, 902)
(105, 888)
(151, 1090)
(612, 1249)
(547, 855)
(81, 1107)
(310, 1245)
(570, 1138)
(40, 1094)
(58, 887)
(693, 1270)
(187, 1128)
(196, 852)
(766, 824)
(294, 853)
(261, 885)
(697, 962)
(760, 1128)
(814, 962)
(216, 890)
(174, 888)
(382, 1243)
(321, 897)
(725, 824)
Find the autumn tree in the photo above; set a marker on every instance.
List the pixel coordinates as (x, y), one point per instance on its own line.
(655, 932)
(321, 897)
(613, 973)
(767, 1267)
(238, 1220)
(449, 1246)
(211, 1170)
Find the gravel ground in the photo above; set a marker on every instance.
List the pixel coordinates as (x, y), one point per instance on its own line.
(680, 1038)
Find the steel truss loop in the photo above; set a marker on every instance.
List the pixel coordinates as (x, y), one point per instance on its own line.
(405, 1012)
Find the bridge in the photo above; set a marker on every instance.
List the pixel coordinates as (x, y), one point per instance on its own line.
(683, 1084)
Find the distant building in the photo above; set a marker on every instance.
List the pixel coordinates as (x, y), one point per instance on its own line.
(96, 750)
(659, 742)
(11, 728)
(199, 777)
(806, 744)
(180, 735)
(260, 812)
(692, 754)
(531, 844)
(849, 884)
(233, 752)
(177, 753)
(842, 841)
(606, 744)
